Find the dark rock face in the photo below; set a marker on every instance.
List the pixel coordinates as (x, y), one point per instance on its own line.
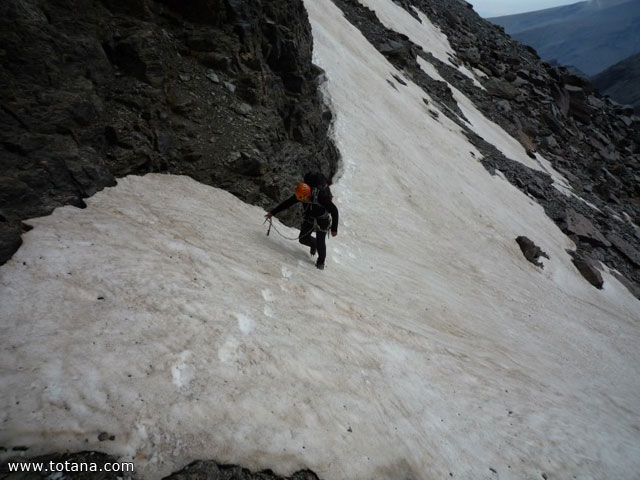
(213, 471)
(222, 91)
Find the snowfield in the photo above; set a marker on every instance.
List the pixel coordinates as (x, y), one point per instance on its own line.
(163, 315)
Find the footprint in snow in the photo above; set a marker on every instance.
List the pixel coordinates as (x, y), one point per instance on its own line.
(286, 273)
(267, 295)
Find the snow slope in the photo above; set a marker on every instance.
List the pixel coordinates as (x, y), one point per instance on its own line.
(163, 315)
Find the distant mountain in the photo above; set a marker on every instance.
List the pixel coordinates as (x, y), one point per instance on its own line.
(622, 82)
(591, 35)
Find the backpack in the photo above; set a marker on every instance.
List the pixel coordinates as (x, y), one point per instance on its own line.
(315, 180)
(319, 185)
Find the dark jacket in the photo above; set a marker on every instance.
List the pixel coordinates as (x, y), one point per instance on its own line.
(324, 203)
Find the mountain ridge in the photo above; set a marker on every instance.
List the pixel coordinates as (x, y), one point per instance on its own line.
(622, 82)
(587, 35)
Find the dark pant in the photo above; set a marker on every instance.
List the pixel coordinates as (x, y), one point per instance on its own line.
(319, 241)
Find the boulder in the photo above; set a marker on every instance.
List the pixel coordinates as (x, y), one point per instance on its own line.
(471, 55)
(501, 89)
(504, 106)
(579, 225)
(588, 270)
(550, 142)
(579, 107)
(531, 251)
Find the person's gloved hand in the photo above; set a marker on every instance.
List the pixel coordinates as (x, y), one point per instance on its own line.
(333, 234)
(269, 215)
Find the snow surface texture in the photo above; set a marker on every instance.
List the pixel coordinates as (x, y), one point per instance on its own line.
(432, 40)
(163, 315)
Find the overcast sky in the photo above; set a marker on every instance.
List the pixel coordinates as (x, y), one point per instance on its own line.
(496, 8)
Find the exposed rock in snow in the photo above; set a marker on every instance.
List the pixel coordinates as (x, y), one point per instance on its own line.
(531, 251)
(589, 271)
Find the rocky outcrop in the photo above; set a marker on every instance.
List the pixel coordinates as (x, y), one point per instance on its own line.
(580, 226)
(588, 270)
(213, 471)
(222, 91)
(531, 251)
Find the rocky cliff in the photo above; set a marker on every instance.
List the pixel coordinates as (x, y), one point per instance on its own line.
(222, 91)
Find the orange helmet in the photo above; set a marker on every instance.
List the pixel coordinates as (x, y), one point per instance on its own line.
(303, 191)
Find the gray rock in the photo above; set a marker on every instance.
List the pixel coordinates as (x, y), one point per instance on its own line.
(391, 47)
(471, 55)
(589, 271)
(579, 225)
(625, 248)
(244, 109)
(531, 251)
(501, 89)
(535, 190)
(504, 105)
(210, 470)
(595, 102)
(575, 90)
(550, 142)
